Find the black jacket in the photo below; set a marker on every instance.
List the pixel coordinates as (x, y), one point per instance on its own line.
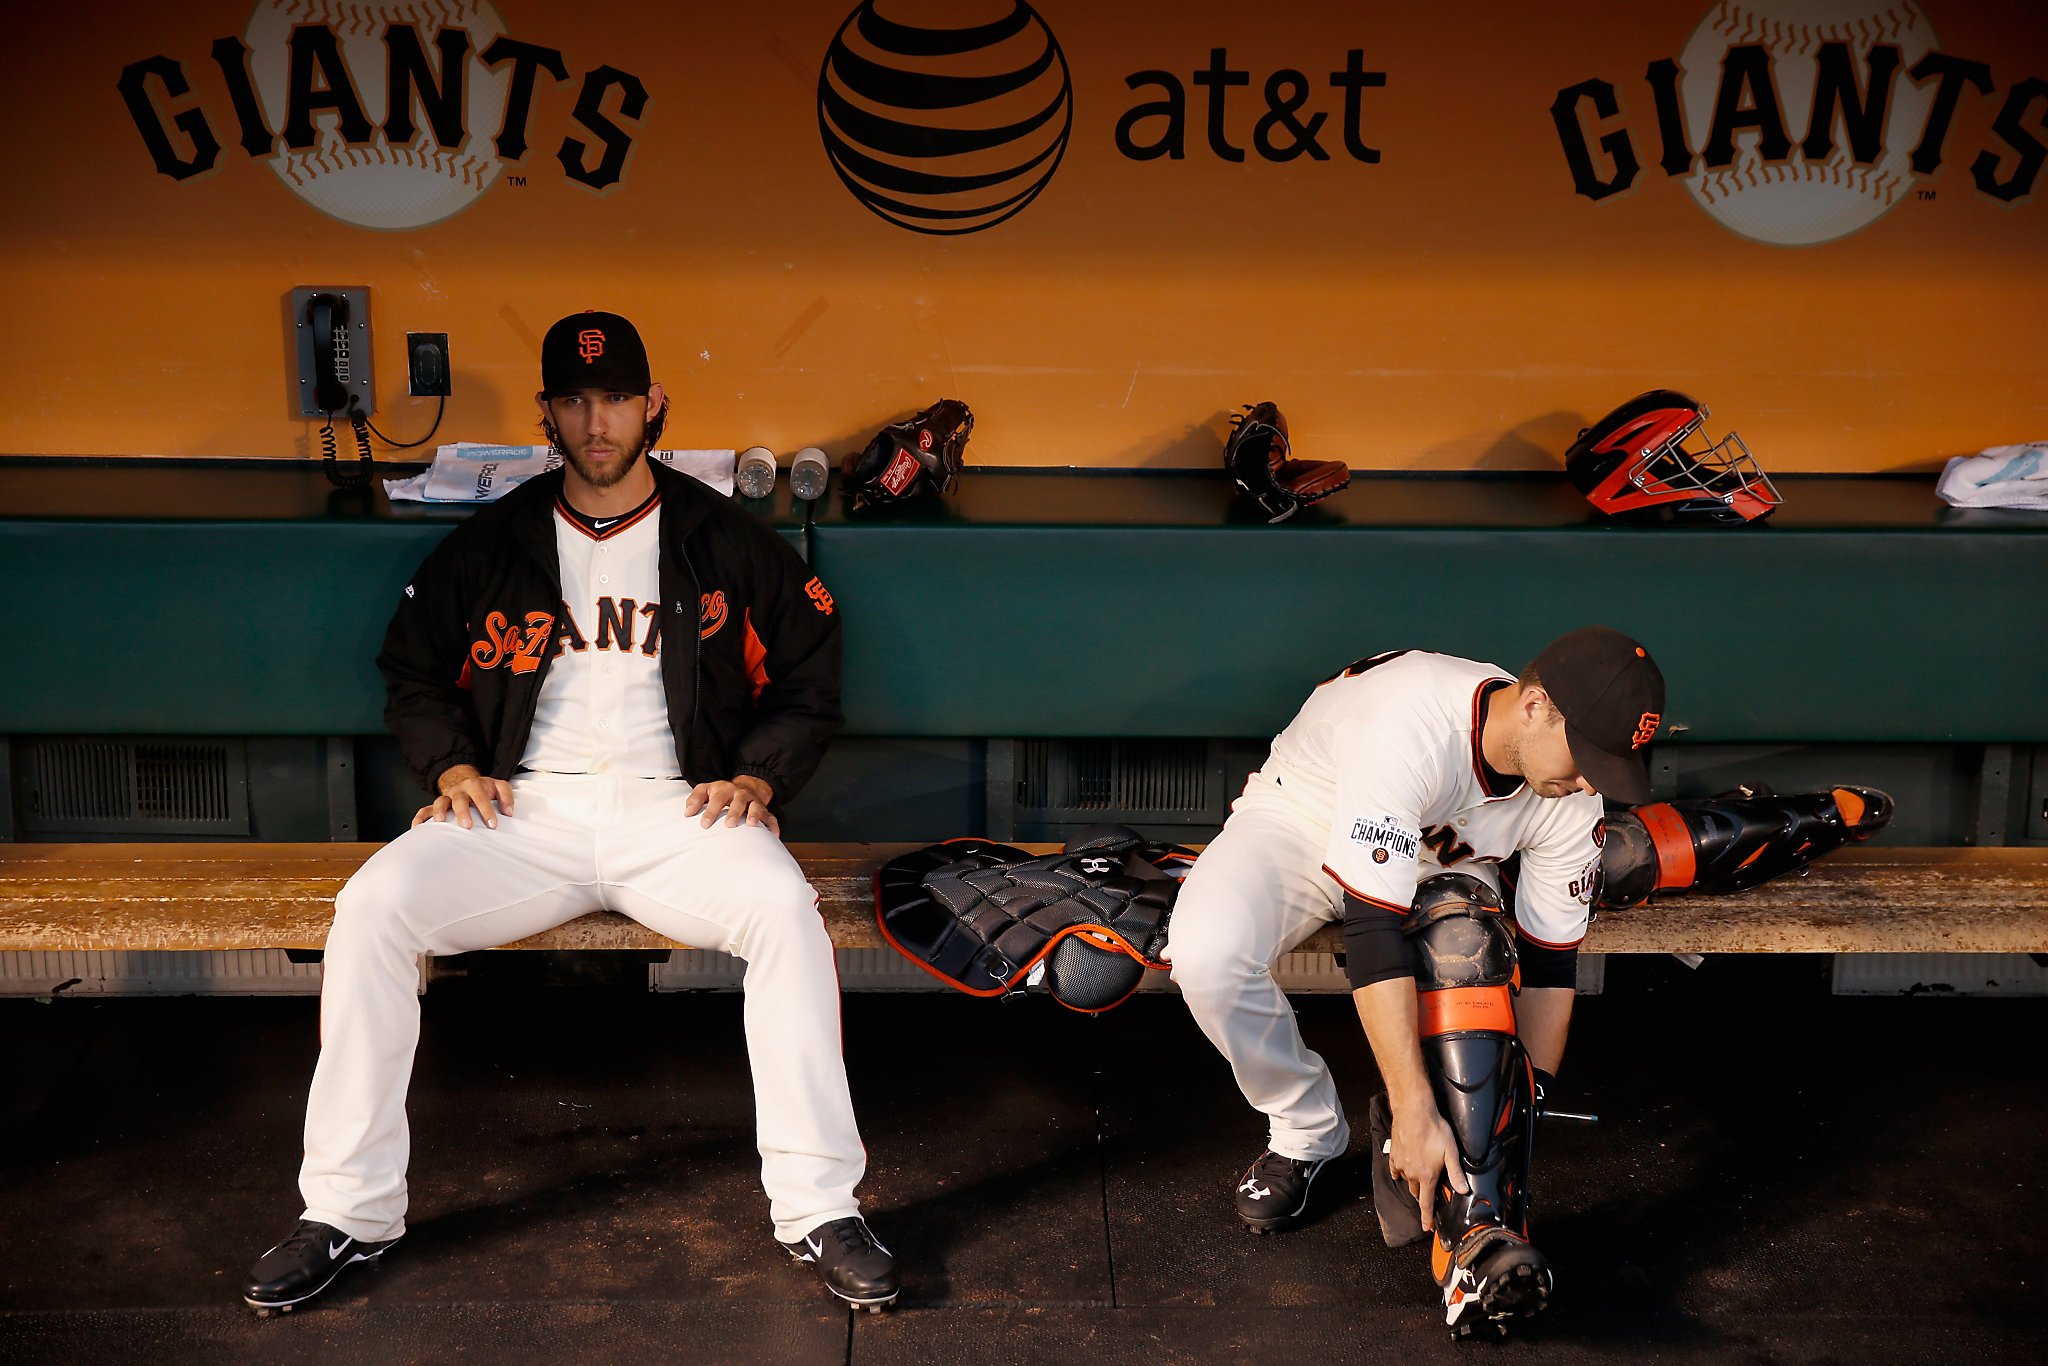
(749, 641)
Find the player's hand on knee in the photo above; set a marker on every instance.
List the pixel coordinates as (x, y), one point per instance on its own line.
(1424, 1152)
(745, 798)
(468, 796)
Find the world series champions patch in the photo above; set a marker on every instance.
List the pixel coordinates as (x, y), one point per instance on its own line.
(1388, 837)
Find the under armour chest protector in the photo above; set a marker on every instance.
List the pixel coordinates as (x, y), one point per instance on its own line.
(982, 916)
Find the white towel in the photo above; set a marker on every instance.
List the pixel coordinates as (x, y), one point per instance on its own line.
(2000, 477)
(473, 472)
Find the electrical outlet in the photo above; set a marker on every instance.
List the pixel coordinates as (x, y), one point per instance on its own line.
(426, 363)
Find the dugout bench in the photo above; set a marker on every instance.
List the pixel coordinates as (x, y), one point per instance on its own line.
(1865, 633)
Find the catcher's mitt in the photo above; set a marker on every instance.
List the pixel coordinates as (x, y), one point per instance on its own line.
(909, 458)
(1257, 456)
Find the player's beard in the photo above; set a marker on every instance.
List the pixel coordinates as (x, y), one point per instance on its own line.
(589, 473)
(601, 478)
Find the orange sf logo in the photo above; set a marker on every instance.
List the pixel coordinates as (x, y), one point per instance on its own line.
(589, 344)
(505, 643)
(1646, 729)
(820, 599)
(712, 615)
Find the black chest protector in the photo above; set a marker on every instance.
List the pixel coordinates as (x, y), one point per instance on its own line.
(983, 916)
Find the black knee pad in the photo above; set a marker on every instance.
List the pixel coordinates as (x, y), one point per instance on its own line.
(1729, 843)
(1465, 981)
(1459, 934)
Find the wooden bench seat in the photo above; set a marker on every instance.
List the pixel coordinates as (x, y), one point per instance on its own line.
(77, 897)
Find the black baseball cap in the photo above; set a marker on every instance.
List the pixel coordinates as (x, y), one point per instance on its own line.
(593, 351)
(1612, 695)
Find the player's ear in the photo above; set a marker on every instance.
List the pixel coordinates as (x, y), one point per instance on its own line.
(1534, 705)
(657, 401)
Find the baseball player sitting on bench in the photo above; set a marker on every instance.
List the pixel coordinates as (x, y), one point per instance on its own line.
(1392, 800)
(611, 677)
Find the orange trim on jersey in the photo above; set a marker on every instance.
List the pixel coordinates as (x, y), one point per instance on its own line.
(756, 655)
(1478, 728)
(1460, 1008)
(1677, 864)
(1521, 933)
(1486, 792)
(570, 515)
(1368, 900)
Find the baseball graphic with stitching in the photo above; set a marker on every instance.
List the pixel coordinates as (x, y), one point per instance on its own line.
(375, 184)
(1796, 202)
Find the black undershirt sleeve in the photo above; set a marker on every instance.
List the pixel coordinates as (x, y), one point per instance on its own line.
(1374, 950)
(1546, 967)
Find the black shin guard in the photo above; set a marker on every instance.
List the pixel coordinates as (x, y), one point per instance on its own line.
(1731, 842)
(1465, 979)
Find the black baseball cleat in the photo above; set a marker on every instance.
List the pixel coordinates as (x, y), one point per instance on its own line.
(851, 1263)
(1493, 1281)
(303, 1265)
(1273, 1192)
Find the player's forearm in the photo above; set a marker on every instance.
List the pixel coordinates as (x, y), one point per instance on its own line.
(1543, 1016)
(1387, 1010)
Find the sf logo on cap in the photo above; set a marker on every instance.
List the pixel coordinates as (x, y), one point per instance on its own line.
(1646, 729)
(589, 344)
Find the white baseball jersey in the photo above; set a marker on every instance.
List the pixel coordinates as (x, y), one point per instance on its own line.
(1391, 750)
(602, 708)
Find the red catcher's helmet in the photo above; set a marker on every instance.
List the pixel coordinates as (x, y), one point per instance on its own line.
(1632, 465)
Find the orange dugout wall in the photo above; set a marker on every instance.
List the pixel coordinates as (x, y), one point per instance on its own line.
(1441, 237)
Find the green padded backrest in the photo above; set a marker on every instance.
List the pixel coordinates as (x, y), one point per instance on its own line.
(249, 600)
(1139, 605)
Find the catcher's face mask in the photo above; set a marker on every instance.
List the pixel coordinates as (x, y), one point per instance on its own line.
(1633, 464)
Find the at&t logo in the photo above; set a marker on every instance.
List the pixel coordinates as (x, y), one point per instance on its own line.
(945, 130)
(1800, 121)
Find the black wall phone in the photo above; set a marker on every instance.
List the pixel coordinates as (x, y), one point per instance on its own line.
(330, 330)
(331, 326)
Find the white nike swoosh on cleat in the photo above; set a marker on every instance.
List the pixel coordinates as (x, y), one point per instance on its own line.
(338, 1248)
(817, 1249)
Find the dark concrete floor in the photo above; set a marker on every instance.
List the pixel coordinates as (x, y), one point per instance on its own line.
(1779, 1176)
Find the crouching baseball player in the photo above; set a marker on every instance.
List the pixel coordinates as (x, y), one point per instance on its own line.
(611, 678)
(1391, 801)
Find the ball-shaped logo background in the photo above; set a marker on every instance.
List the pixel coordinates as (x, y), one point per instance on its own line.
(1798, 202)
(945, 130)
(378, 184)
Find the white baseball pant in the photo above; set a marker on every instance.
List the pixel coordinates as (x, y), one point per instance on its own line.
(1257, 891)
(573, 844)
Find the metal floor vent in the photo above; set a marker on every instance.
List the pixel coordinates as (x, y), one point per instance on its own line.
(1130, 780)
(107, 786)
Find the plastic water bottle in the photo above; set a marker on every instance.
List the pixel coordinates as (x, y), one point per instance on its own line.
(755, 477)
(807, 473)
